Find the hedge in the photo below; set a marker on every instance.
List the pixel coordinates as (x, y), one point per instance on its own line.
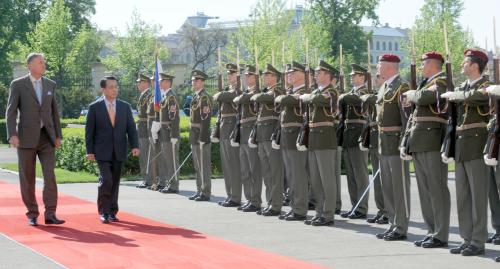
(3, 130)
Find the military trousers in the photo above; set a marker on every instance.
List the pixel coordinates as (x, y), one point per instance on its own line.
(154, 160)
(202, 164)
(338, 176)
(377, 182)
(395, 175)
(250, 175)
(230, 161)
(357, 177)
(143, 159)
(472, 202)
(432, 182)
(494, 198)
(169, 164)
(323, 181)
(271, 165)
(296, 166)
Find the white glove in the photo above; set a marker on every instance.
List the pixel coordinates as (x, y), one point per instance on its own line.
(446, 95)
(446, 159)
(234, 143)
(155, 127)
(274, 145)
(490, 162)
(362, 148)
(214, 139)
(155, 136)
(300, 148)
(174, 140)
(403, 155)
(493, 89)
(251, 144)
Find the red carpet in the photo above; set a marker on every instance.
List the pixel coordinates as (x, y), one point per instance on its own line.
(134, 242)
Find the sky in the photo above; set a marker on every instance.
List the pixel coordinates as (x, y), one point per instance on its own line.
(114, 14)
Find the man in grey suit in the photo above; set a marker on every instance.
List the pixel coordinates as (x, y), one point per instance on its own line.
(38, 133)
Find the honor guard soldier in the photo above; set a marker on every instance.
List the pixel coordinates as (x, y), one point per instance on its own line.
(392, 117)
(249, 158)
(230, 160)
(143, 84)
(271, 161)
(471, 173)
(295, 161)
(169, 136)
(154, 143)
(338, 161)
(356, 160)
(322, 144)
(426, 130)
(199, 136)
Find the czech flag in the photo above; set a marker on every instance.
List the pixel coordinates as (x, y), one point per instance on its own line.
(158, 70)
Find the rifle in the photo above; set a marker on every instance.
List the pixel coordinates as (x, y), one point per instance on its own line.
(341, 75)
(235, 134)
(252, 140)
(342, 106)
(365, 135)
(276, 136)
(493, 142)
(405, 143)
(448, 147)
(303, 137)
(220, 86)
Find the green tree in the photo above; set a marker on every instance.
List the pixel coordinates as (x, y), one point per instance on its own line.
(428, 31)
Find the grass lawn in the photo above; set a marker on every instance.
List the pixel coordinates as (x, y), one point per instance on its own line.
(62, 176)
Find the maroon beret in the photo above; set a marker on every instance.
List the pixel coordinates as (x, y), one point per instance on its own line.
(477, 54)
(389, 58)
(432, 55)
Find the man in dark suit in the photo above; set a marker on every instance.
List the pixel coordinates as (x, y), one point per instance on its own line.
(109, 125)
(37, 133)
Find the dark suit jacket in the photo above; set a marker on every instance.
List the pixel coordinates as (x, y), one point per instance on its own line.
(101, 139)
(23, 100)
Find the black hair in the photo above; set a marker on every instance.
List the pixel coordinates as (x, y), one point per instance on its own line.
(104, 79)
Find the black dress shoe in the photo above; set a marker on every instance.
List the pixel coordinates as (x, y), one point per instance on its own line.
(143, 185)
(497, 259)
(295, 217)
(394, 236)
(310, 221)
(194, 196)
(357, 215)
(283, 216)
(231, 203)
(54, 220)
(160, 187)
(225, 201)
(32, 222)
(382, 235)
(168, 190)
(496, 241)
(434, 243)
(270, 212)
(419, 242)
(311, 206)
(472, 250)
(375, 218)
(337, 211)
(104, 218)
(263, 210)
(251, 208)
(459, 249)
(346, 214)
(244, 205)
(202, 198)
(113, 218)
(383, 220)
(322, 222)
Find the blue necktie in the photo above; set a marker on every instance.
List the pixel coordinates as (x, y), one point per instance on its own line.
(38, 91)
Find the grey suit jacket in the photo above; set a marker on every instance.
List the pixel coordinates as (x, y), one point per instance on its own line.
(23, 101)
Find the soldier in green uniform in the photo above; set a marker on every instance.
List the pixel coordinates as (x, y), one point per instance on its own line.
(426, 130)
(338, 160)
(271, 162)
(295, 161)
(155, 144)
(249, 158)
(143, 84)
(356, 160)
(229, 155)
(395, 175)
(471, 173)
(322, 144)
(169, 136)
(199, 136)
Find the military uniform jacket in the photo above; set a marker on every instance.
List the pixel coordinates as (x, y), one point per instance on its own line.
(322, 105)
(201, 111)
(142, 109)
(169, 116)
(249, 110)
(268, 117)
(228, 110)
(292, 117)
(427, 126)
(473, 115)
(355, 120)
(369, 103)
(391, 116)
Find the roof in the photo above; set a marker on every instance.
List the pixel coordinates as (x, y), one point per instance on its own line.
(385, 31)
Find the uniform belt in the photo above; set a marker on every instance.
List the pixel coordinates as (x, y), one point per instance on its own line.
(195, 125)
(320, 124)
(267, 118)
(228, 115)
(151, 117)
(291, 124)
(359, 121)
(166, 123)
(390, 128)
(248, 119)
(430, 119)
(143, 119)
(471, 126)
(373, 124)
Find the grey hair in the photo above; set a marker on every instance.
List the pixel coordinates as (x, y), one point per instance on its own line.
(32, 56)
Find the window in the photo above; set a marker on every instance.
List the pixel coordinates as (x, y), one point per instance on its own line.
(396, 46)
(371, 44)
(372, 60)
(384, 46)
(390, 45)
(378, 45)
